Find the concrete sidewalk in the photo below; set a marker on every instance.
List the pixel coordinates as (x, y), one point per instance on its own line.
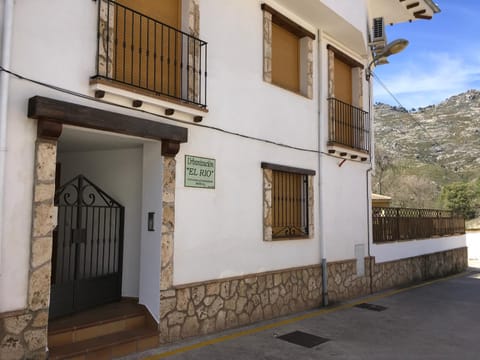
(435, 320)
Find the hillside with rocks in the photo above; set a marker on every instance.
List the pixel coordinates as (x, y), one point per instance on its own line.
(421, 151)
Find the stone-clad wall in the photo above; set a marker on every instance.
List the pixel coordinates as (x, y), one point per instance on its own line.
(203, 308)
(343, 282)
(419, 268)
(23, 334)
(217, 305)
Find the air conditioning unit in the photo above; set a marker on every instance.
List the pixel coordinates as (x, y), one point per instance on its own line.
(379, 38)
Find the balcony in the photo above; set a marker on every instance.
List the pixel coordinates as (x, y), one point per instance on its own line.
(139, 54)
(348, 129)
(400, 224)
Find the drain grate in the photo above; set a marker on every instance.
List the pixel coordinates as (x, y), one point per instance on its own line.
(303, 339)
(372, 307)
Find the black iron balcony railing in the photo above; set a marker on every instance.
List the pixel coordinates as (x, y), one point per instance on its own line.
(397, 224)
(137, 50)
(348, 126)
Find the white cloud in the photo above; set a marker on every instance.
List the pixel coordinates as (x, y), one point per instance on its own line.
(428, 78)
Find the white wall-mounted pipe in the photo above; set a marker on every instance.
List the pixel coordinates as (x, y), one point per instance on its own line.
(323, 245)
(7, 26)
(368, 186)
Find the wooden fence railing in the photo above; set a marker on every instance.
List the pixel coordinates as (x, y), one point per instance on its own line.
(397, 224)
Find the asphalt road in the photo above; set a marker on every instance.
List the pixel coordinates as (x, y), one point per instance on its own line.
(436, 320)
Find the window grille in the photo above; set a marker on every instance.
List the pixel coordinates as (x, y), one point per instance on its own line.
(289, 205)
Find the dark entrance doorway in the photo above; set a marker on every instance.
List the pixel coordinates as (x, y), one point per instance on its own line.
(87, 248)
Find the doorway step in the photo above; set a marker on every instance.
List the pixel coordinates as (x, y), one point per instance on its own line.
(106, 332)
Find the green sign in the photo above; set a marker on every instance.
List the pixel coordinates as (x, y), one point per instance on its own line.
(199, 172)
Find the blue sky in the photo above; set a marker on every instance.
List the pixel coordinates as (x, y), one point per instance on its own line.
(442, 59)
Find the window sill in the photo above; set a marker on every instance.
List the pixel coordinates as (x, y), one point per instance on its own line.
(307, 237)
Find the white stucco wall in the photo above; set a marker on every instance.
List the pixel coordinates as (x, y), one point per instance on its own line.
(44, 51)
(353, 12)
(221, 235)
(345, 208)
(60, 53)
(405, 249)
(119, 174)
(218, 232)
(150, 250)
(473, 243)
(1, 27)
(18, 203)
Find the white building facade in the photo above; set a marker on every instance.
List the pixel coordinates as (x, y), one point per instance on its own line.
(211, 159)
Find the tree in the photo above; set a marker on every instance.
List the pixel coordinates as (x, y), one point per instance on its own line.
(415, 191)
(383, 163)
(460, 197)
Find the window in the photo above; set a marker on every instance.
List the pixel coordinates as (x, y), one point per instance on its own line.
(287, 52)
(343, 81)
(147, 49)
(144, 48)
(288, 202)
(349, 125)
(285, 58)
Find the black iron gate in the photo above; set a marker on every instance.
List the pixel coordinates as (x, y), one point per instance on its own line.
(87, 248)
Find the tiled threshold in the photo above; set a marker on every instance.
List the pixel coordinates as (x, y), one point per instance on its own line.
(106, 332)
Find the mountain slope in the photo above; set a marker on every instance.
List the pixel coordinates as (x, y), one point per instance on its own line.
(429, 147)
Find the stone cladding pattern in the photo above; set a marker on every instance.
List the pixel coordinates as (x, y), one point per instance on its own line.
(267, 46)
(420, 268)
(168, 223)
(23, 334)
(212, 306)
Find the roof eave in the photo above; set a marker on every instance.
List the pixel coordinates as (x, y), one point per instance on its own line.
(433, 6)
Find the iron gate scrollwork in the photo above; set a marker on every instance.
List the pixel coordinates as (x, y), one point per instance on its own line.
(87, 248)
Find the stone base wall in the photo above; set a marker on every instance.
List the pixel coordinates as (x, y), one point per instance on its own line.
(203, 308)
(343, 281)
(419, 268)
(23, 335)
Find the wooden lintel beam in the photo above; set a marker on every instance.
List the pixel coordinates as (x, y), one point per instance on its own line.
(283, 21)
(49, 130)
(170, 148)
(56, 111)
(344, 57)
(288, 169)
